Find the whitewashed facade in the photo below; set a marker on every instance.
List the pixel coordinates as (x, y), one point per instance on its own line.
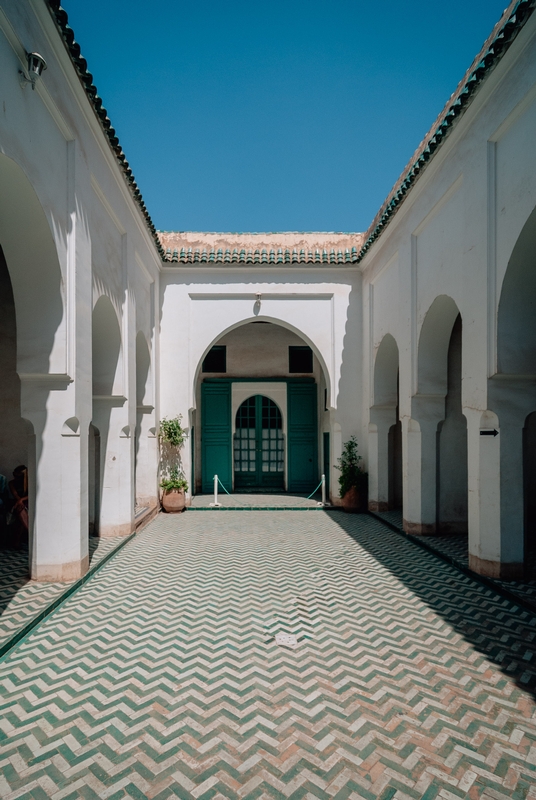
(423, 329)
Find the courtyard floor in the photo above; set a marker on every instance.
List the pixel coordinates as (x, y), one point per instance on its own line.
(23, 601)
(454, 547)
(162, 676)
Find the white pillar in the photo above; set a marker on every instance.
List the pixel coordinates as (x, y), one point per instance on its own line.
(419, 453)
(496, 479)
(146, 458)
(58, 506)
(484, 496)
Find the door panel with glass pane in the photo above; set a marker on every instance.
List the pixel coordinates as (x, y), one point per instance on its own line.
(259, 448)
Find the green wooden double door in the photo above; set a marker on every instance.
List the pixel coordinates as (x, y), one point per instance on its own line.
(257, 452)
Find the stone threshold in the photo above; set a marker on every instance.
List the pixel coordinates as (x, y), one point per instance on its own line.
(491, 583)
(259, 508)
(9, 643)
(144, 516)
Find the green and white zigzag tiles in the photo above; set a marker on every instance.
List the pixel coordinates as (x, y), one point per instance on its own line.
(161, 677)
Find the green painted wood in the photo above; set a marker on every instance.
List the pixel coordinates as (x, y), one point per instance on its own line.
(259, 426)
(216, 453)
(326, 465)
(192, 460)
(302, 437)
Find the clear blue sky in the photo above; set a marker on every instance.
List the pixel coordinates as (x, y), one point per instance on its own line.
(272, 116)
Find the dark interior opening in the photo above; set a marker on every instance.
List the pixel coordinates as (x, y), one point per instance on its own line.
(216, 359)
(300, 359)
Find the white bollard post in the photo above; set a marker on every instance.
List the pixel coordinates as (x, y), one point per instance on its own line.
(215, 504)
(323, 490)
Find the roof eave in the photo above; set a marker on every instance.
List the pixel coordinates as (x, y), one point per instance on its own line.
(505, 32)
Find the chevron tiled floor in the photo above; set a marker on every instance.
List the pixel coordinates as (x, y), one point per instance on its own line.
(21, 600)
(455, 546)
(161, 677)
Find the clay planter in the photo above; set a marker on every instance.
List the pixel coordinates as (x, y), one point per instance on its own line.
(352, 502)
(173, 501)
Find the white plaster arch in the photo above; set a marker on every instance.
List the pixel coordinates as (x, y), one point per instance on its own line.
(31, 255)
(434, 340)
(516, 314)
(386, 372)
(144, 383)
(202, 348)
(106, 349)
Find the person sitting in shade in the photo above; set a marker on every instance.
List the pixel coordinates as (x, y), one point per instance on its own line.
(19, 491)
(5, 504)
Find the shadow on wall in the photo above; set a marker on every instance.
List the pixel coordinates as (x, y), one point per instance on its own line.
(106, 371)
(346, 397)
(32, 339)
(496, 628)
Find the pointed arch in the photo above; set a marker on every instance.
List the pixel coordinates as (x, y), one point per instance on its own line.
(31, 256)
(275, 321)
(434, 340)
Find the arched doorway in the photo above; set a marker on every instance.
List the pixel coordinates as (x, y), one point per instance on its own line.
(529, 480)
(452, 492)
(109, 418)
(512, 397)
(394, 452)
(436, 434)
(13, 429)
(385, 431)
(35, 399)
(94, 482)
(259, 446)
(264, 359)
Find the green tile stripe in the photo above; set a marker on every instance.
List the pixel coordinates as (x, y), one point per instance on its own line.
(21, 634)
(162, 677)
(256, 508)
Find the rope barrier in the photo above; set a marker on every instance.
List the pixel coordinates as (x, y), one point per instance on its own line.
(249, 505)
(317, 488)
(242, 505)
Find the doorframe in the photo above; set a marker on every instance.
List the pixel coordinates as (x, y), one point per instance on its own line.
(263, 386)
(275, 391)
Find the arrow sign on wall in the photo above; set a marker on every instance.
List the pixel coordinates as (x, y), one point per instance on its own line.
(489, 433)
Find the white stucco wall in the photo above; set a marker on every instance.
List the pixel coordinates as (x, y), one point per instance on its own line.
(70, 232)
(453, 236)
(319, 306)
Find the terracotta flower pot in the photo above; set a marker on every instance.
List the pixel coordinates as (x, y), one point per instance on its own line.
(352, 500)
(173, 501)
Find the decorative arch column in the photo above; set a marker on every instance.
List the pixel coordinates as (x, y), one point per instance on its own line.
(383, 415)
(146, 443)
(500, 537)
(427, 412)
(111, 418)
(46, 366)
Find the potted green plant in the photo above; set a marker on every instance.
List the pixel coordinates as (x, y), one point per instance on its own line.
(173, 489)
(172, 436)
(171, 432)
(353, 480)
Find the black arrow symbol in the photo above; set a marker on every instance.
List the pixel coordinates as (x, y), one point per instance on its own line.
(489, 433)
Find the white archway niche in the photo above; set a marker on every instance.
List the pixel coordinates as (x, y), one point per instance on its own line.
(310, 316)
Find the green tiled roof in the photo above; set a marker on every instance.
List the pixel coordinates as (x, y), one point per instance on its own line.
(80, 64)
(197, 256)
(512, 21)
(497, 44)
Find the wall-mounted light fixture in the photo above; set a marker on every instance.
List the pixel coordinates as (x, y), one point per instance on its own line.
(257, 304)
(36, 66)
